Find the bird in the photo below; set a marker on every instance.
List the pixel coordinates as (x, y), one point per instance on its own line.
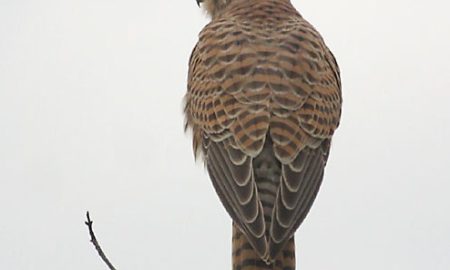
(263, 101)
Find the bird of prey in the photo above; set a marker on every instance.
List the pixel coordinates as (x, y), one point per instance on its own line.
(263, 101)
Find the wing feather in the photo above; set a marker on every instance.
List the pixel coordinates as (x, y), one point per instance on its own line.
(293, 204)
(238, 194)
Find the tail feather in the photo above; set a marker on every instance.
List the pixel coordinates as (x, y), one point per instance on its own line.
(245, 258)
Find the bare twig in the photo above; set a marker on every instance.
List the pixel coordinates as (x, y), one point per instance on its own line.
(96, 244)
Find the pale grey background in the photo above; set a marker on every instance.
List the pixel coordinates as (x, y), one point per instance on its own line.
(91, 119)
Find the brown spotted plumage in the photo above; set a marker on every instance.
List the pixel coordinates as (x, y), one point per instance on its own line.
(263, 101)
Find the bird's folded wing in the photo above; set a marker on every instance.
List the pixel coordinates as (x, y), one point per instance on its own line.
(231, 172)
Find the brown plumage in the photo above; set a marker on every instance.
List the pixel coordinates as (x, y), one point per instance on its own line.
(263, 101)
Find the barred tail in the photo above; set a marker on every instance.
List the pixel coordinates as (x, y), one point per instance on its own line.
(245, 258)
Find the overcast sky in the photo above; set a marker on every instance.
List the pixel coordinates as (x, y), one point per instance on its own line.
(91, 119)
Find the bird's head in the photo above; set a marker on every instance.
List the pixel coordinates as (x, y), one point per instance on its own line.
(213, 7)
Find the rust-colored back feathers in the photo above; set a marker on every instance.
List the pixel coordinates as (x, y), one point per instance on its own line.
(263, 101)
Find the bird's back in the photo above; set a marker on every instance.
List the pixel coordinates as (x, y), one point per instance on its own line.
(263, 102)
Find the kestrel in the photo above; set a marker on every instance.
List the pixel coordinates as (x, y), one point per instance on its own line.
(263, 101)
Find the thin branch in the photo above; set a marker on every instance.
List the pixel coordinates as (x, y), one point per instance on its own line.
(96, 244)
